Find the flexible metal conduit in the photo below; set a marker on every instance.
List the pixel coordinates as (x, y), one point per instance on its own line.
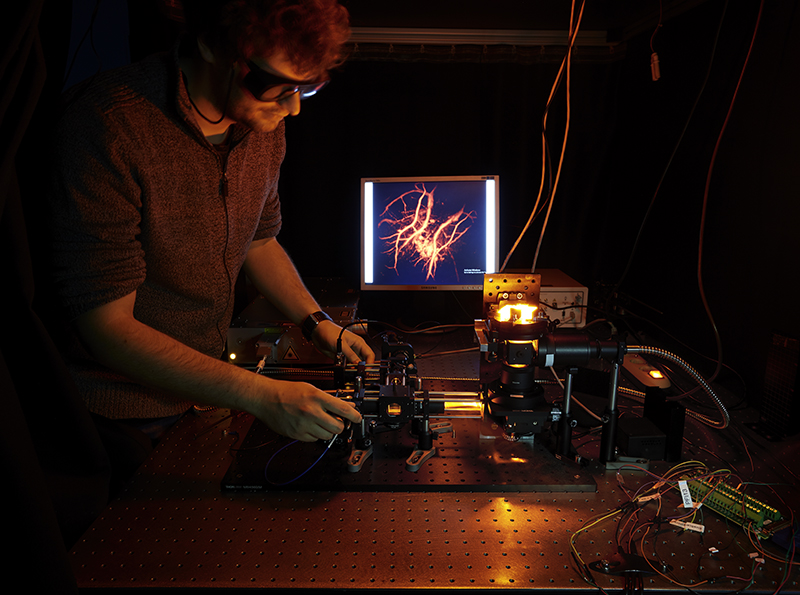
(655, 351)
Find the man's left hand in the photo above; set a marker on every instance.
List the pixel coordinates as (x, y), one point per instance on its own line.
(355, 349)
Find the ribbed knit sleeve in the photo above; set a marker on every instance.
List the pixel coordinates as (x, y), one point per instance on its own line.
(95, 209)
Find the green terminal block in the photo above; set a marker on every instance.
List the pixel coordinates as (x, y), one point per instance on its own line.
(760, 518)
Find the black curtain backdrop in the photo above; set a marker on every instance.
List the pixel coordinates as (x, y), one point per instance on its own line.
(54, 468)
(414, 112)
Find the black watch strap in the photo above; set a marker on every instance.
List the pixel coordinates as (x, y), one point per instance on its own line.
(312, 321)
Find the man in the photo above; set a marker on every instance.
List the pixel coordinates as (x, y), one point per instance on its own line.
(166, 186)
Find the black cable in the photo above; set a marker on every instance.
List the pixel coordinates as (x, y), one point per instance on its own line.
(89, 32)
(629, 313)
(671, 157)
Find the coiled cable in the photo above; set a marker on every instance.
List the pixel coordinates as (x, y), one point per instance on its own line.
(663, 354)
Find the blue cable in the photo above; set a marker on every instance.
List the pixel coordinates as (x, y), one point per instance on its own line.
(310, 467)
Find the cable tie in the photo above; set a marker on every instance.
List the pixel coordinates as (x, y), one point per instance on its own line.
(686, 495)
(697, 528)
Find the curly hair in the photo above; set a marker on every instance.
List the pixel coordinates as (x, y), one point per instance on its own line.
(311, 32)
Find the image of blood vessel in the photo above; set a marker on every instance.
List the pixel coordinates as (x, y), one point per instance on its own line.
(416, 230)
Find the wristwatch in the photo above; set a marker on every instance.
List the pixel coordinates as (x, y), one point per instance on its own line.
(312, 321)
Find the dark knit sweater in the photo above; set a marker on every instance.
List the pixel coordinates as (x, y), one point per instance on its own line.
(142, 202)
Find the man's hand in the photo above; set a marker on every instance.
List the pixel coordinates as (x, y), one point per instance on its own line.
(299, 410)
(272, 272)
(355, 349)
(122, 343)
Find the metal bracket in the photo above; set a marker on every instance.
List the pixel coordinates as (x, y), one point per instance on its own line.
(442, 427)
(629, 462)
(357, 459)
(418, 457)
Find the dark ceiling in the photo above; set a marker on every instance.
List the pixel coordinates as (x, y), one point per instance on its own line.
(620, 19)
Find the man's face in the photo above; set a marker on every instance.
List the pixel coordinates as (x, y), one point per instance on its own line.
(264, 116)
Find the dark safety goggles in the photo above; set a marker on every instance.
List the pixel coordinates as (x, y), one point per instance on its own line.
(266, 86)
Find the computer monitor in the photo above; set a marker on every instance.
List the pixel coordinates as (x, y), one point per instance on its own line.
(429, 233)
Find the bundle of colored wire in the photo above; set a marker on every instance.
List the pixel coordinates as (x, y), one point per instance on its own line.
(565, 67)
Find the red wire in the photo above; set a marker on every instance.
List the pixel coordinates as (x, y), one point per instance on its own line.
(706, 191)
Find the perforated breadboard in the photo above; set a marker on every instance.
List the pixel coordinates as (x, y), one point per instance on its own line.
(173, 528)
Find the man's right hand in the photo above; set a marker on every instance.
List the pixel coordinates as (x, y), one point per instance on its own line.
(122, 343)
(301, 411)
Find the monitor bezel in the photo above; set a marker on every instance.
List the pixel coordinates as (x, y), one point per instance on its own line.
(492, 231)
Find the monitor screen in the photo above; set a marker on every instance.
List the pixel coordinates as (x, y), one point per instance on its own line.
(429, 233)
